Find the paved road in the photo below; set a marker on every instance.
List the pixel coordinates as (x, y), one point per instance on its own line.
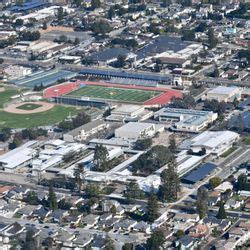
(235, 159)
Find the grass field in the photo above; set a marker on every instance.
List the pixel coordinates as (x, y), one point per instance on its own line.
(52, 116)
(228, 152)
(247, 140)
(29, 106)
(116, 94)
(6, 95)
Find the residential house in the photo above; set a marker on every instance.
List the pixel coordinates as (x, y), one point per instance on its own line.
(42, 213)
(233, 203)
(65, 238)
(90, 220)
(99, 242)
(27, 210)
(4, 190)
(126, 225)
(9, 209)
(186, 217)
(186, 242)
(58, 215)
(142, 227)
(10, 232)
(199, 231)
(82, 240)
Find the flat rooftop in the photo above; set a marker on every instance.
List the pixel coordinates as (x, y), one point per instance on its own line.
(222, 90)
(44, 77)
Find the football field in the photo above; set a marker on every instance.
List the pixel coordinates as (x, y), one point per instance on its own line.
(114, 93)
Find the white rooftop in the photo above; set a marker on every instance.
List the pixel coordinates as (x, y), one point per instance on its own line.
(223, 90)
(136, 126)
(213, 139)
(18, 156)
(128, 108)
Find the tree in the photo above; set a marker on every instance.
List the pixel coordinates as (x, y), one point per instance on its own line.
(31, 242)
(156, 241)
(45, 26)
(111, 12)
(120, 61)
(143, 144)
(81, 119)
(188, 35)
(216, 72)
(30, 35)
(172, 144)
(215, 106)
(17, 141)
(109, 244)
(31, 198)
(170, 183)
(235, 102)
(63, 39)
(62, 204)
(95, 4)
(202, 200)
(60, 14)
(19, 22)
(133, 191)
(242, 183)
(128, 246)
(179, 234)
(92, 190)
(214, 182)
(152, 208)
(101, 158)
(78, 176)
(152, 160)
(101, 27)
(212, 40)
(52, 201)
(77, 41)
(113, 210)
(166, 3)
(221, 213)
(6, 133)
(186, 102)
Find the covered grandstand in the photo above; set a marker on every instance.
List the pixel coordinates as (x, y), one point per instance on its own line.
(145, 79)
(45, 78)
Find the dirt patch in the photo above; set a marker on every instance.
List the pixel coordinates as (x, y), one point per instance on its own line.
(56, 28)
(2, 89)
(43, 106)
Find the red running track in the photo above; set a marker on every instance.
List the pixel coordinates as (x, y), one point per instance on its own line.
(60, 89)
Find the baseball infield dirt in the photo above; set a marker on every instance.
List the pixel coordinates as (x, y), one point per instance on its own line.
(44, 106)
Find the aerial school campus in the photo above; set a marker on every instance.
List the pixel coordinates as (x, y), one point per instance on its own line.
(124, 125)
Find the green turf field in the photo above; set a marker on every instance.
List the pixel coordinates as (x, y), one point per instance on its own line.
(6, 95)
(116, 94)
(29, 106)
(50, 117)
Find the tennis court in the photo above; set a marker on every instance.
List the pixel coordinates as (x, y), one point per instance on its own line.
(115, 94)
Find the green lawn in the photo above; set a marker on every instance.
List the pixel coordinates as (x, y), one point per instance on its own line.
(6, 95)
(247, 140)
(228, 152)
(116, 94)
(29, 106)
(52, 116)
